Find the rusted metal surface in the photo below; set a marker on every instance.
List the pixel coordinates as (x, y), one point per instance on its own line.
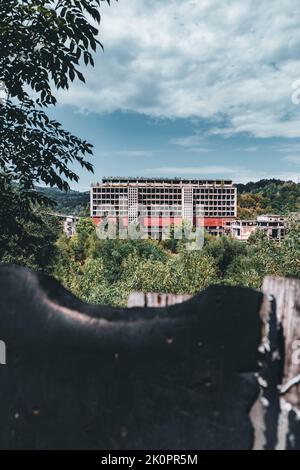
(81, 376)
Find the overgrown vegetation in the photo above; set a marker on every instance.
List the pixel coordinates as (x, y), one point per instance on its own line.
(106, 271)
(28, 234)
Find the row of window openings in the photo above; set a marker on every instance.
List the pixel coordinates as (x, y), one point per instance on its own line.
(166, 208)
(163, 196)
(142, 197)
(157, 214)
(196, 192)
(163, 201)
(165, 190)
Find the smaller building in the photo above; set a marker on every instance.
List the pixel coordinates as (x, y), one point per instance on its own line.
(275, 226)
(242, 229)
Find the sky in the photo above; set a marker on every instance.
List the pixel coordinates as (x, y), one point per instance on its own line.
(191, 88)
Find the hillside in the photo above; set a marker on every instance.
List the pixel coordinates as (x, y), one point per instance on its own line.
(271, 195)
(70, 203)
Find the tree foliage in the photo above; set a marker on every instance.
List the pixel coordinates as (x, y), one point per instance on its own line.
(268, 196)
(68, 203)
(106, 271)
(43, 46)
(27, 234)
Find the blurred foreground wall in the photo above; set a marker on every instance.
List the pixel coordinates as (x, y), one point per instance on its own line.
(216, 371)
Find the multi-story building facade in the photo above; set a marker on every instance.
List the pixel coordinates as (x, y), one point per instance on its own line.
(159, 203)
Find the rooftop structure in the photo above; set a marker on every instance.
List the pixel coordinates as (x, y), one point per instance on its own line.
(161, 181)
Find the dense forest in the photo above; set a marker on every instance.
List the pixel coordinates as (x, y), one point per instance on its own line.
(264, 196)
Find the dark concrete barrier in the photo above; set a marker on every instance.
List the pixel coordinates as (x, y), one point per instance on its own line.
(81, 376)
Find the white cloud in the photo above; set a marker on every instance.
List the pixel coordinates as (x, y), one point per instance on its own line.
(238, 174)
(201, 170)
(247, 149)
(134, 153)
(293, 159)
(200, 149)
(230, 63)
(191, 140)
(287, 148)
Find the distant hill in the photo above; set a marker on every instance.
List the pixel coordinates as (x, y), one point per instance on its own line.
(267, 195)
(70, 203)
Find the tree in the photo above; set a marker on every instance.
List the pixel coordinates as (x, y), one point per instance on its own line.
(42, 48)
(193, 271)
(251, 205)
(189, 272)
(262, 258)
(224, 250)
(114, 253)
(265, 196)
(27, 234)
(290, 253)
